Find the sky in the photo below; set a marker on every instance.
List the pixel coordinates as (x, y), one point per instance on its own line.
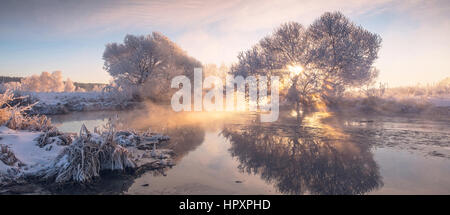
(70, 36)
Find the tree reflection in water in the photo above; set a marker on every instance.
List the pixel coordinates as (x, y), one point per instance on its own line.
(304, 157)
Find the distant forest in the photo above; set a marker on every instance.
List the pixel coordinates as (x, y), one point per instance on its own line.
(85, 86)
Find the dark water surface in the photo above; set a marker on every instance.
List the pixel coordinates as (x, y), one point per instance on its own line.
(225, 153)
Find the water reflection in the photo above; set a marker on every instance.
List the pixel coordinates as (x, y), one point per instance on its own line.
(316, 154)
(304, 157)
(297, 155)
(186, 135)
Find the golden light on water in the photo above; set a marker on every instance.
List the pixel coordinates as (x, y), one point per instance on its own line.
(316, 119)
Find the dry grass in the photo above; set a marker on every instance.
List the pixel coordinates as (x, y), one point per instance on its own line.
(14, 117)
(87, 156)
(398, 100)
(6, 156)
(53, 136)
(379, 105)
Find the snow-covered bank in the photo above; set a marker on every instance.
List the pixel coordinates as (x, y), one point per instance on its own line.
(31, 148)
(440, 101)
(28, 155)
(50, 103)
(431, 106)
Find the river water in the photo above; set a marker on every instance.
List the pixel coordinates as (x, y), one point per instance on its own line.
(320, 153)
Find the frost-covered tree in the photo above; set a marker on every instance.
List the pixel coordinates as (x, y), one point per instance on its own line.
(288, 45)
(134, 60)
(284, 53)
(344, 51)
(214, 70)
(328, 56)
(69, 86)
(45, 82)
(147, 62)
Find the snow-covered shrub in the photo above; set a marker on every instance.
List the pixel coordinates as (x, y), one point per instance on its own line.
(131, 138)
(5, 111)
(7, 156)
(69, 86)
(89, 154)
(8, 165)
(53, 136)
(13, 86)
(127, 138)
(14, 117)
(20, 121)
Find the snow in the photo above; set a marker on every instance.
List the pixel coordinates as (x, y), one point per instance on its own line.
(64, 102)
(53, 98)
(52, 158)
(4, 168)
(26, 150)
(440, 101)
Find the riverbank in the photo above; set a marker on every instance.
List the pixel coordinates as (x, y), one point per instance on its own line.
(52, 156)
(52, 103)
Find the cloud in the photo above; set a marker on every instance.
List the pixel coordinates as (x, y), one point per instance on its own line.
(214, 31)
(249, 15)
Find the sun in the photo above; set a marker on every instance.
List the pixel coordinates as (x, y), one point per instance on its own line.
(295, 69)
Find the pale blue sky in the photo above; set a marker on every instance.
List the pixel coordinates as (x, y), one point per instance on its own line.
(70, 36)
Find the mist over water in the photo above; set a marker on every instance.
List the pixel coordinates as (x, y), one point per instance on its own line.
(235, 153)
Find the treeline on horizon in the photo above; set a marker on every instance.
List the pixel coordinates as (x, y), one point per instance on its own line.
(82, 85)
